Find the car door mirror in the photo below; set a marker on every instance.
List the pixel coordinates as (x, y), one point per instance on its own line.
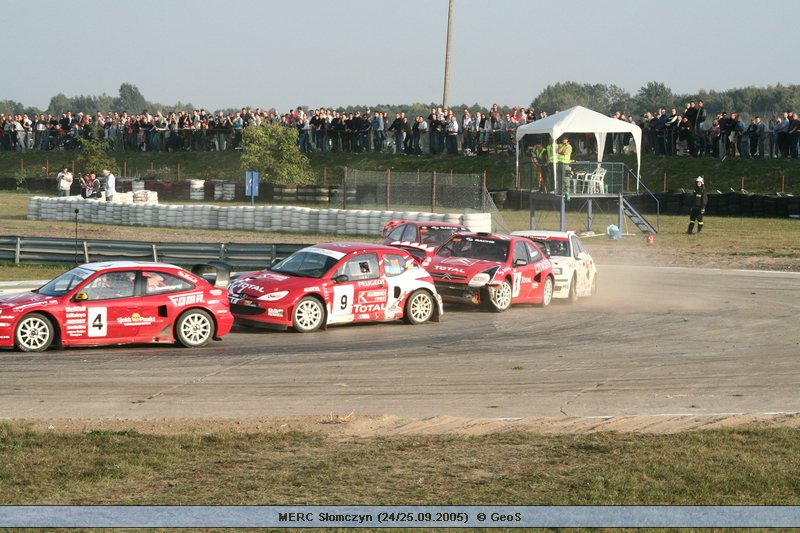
(520, 262)
(80, 297)
(583, 255)
(341, 278)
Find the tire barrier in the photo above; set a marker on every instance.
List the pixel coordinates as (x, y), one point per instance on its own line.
(272, 218)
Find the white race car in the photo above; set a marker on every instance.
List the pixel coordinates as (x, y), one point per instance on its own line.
(573, 267)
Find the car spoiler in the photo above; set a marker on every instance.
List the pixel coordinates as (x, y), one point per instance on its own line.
(220, 276)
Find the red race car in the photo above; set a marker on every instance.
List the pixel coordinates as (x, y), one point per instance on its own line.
(119, 302)
(420, 239)
(496, 270)
(336, 283)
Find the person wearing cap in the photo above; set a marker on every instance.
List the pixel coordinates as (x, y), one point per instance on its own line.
(699, 207)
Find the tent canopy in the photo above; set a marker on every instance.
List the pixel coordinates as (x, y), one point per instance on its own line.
(579, 119)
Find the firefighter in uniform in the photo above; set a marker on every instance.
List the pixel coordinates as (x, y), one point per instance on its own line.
(699, 207)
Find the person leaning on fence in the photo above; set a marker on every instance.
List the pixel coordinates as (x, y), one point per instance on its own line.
(64, 182)
(699, 206)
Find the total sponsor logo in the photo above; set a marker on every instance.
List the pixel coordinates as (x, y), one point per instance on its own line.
(367, 308)
(180, 300)
(449, 269)
(241, 286)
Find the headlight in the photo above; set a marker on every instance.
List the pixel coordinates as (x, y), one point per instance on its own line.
(479, 280)
(557, 270)
(271, 297)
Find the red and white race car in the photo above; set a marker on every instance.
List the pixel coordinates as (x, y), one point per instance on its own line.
(496, 270)
(336, 283)
(118, 302)
(574, 269)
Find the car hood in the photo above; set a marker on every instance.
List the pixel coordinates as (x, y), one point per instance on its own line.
(25, 300)
(266, 282)
(459, 266)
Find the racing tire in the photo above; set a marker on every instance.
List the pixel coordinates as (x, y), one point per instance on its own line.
(34, 333)
(308, 316)
(500, 297)
(572, 295)
(547, 292)
(194, 328)
(419, 307)
(594, 285)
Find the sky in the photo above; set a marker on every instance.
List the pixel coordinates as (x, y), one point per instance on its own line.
(280, 54)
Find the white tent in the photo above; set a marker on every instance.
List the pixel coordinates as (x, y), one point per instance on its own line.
(578, 119)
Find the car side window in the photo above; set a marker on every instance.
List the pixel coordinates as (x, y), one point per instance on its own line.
(393, 265)
(163, 283)
(577, 247)
(362, 267)
(536, 255)
(111, 285)
(520, 252)
(410, 234)
(397, 233)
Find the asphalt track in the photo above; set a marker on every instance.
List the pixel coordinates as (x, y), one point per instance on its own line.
(654, 341)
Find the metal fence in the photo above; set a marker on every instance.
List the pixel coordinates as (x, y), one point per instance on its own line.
(42, 250)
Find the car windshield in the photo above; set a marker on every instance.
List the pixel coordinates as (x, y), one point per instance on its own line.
(65, 282)
(306, 264)
(435, 235)
(475, 248)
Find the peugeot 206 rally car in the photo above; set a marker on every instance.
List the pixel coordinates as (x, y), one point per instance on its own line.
(336, 283)
(118, 302)
(574, 269)
(495, 270)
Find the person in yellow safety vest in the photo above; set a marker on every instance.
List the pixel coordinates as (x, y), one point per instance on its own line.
(540, 163)
(563, 158)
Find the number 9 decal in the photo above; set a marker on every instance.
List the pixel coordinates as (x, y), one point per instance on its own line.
(342, 300)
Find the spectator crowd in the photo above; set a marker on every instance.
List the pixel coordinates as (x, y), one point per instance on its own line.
(693, 132)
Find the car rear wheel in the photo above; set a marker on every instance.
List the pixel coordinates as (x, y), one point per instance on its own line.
(308, 315)
(594, 285)
(194, 328)
(419, 307)
(34, 333)
(500, 296)
(547, 292)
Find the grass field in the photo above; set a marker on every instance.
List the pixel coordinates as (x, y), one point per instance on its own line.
(272, 468)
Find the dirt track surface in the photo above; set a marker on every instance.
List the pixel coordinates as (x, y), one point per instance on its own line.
(658, 350)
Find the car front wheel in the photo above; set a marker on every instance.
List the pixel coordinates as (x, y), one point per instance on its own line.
(500, 296)
(34, 333)
(573, 290)
(308, 315)
(419, 307)
(547, 292)
(194, 328)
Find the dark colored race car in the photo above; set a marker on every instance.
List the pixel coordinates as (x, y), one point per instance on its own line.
(118, 302)
(336, 283)
(491, 269)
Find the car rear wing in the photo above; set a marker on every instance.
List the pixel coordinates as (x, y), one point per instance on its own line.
(219, 275)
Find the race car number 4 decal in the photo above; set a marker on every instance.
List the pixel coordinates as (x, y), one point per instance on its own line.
(98, 322)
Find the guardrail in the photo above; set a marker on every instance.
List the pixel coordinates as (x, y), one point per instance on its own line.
(43, 250)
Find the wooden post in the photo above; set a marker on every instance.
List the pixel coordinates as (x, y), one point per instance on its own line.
(484, 192)
(665, 182)
(344, 189)
(179, 171)
(125, 168)
(325, 175)
(742, 183)
(46, 168)
(783, 183)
